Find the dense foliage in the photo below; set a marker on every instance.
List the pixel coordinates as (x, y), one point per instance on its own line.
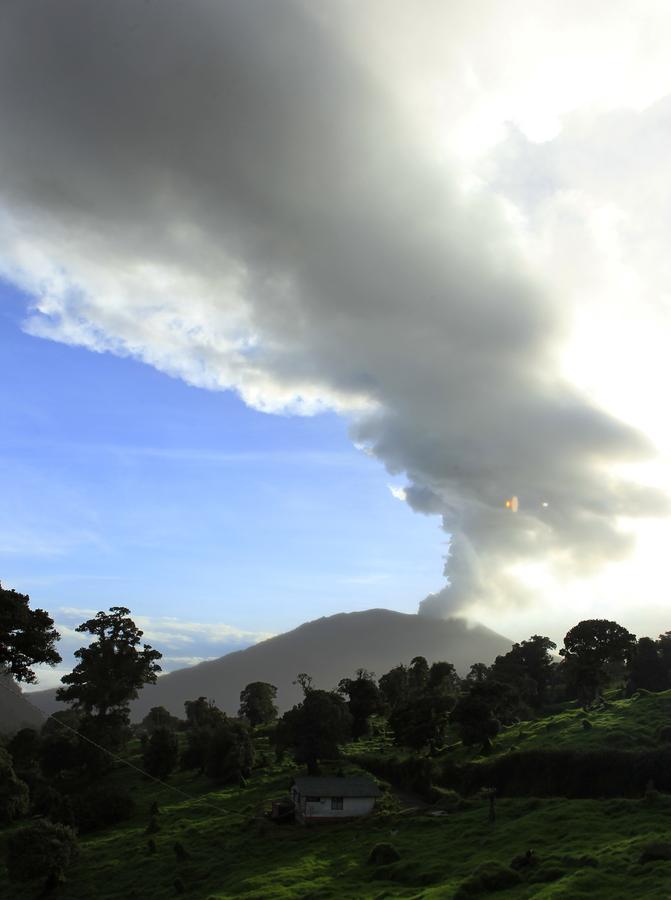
(27, 636)
(257, 703)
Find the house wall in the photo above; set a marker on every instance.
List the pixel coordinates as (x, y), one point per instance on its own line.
(352, 806)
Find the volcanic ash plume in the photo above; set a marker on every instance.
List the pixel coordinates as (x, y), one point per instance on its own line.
(225, 192)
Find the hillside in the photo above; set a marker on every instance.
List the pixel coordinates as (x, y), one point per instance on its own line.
(581, 848)
(15, 712)
(328, 649)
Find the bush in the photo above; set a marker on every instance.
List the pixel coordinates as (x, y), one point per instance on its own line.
(488, 877)
(664, 734)
(39, 850)
(383, 854)
(105, 805)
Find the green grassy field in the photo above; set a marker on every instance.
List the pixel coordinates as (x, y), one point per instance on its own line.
(583, 848)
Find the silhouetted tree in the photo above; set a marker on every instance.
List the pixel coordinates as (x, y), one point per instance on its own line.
(111, 670)
(314, 728)
(24, 748)
(477, 714)
(363, 700)
(202, 713)
(27, 636)
(418, 675)
(588, 647)
(159, 717)
(161, 752)
(478, 673)
(528, 668)
(422, 721)
(443, 679)
(230, 753)
(257, 703)
(59, 752)
(394, 686)
(646, 668)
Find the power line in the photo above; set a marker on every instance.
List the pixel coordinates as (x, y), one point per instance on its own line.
(120, 759)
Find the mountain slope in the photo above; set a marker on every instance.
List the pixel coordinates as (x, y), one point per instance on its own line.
(15, 711)
(328, 649)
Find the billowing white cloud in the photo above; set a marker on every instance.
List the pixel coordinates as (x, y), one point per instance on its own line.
(245, 196)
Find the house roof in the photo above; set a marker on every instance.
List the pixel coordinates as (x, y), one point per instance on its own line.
(334, 786)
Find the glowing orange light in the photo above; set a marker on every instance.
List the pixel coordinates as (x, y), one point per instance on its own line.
(513, 504)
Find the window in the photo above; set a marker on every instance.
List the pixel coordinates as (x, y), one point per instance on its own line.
(336, 802)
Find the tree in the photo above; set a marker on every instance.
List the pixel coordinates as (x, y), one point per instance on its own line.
(528, 668)
(24, 748)
(112, 669)
(230, 753)
(159, 717)
(418, 674)
(314, 728)
(588, 647)
(422, 721)
(39, 850)
(394, 686)
(646, 668)
(478, 713)
(27, 636)
(202, 713)
(14, 799)
(443, 678)
(202, 718)
(478, 673)
(364, 700)
(257, 703)
(161, 752)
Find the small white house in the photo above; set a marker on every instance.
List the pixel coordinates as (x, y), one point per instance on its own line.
(329, 799)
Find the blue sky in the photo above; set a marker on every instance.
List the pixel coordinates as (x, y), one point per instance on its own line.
(122, 485)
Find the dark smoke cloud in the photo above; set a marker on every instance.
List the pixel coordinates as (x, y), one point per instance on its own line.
(223, 191)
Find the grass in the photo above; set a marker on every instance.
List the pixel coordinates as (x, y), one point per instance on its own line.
(630, 724)
(584, 848)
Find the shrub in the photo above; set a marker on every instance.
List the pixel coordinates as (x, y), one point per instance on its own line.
(383, 854)
(39, 850)
(664, 734)
(490, 876)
